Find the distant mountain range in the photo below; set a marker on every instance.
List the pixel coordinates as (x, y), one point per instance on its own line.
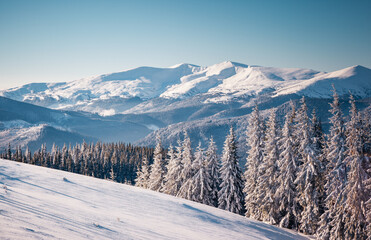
(130, 105)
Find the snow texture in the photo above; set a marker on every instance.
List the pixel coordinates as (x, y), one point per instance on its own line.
(42, 203)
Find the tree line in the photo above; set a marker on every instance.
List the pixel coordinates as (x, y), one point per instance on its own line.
(115, 161)
(295, 176)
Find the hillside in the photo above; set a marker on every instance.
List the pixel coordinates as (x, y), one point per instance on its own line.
(37, 202)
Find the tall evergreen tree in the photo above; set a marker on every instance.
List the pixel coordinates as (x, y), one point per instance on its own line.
(331, 223)
(172, 177)
(356, 192)
(212, 164)
(267, 180)
(201, 181)
(255, 141)
(142, 179)
(187, 171)
(286, 188)
(156, 177)
(230, 195)
(308, 176)
(114, 165)
(318, 142)
(27, 155)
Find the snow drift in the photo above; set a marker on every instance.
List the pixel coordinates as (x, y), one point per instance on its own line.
(42, 203)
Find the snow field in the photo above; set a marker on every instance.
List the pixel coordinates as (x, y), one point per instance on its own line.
(42, 203)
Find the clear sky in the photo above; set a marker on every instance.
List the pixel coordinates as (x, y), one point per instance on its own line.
(50, 41)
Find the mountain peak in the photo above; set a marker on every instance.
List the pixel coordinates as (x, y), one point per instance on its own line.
(183, 65)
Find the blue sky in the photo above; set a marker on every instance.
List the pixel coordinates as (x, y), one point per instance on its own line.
(49, 41)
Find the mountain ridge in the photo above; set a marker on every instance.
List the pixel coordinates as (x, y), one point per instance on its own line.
(221, 82)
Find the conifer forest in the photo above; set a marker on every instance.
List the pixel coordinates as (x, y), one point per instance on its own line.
(295, 176)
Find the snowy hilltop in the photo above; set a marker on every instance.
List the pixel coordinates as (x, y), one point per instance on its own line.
(136, 104)
(37, 202)
(131, 91)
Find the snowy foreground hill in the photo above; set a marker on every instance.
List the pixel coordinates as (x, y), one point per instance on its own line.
(42, 203)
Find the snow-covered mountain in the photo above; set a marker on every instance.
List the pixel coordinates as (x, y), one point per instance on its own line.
(42, 203)
(131, 91)
(127, 106)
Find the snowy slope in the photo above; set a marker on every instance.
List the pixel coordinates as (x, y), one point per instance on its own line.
(41, 203)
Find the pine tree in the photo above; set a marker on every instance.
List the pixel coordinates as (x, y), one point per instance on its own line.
(212, 164)
(230, 195)
(286, 188)
(356, 193)
(114, 165)
(331, 220)
(267, 181)
(27, 155)
(308, 176)
(318, 142)
(172, 177)
(63, 159)
(255, 157)
(187, 171)
(9, 152)
(156, 177)
(201, 181)
(142, 179)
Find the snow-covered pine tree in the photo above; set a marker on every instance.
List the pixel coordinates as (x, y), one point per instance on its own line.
(318, 145)
(286, 189)
(212, 164)
(172, 177)
(107, 164)
(142, 179)
(114, 165)
(331, 220)
(307, 180)
(230, 195)
(9, 152)
(356, 192)
(201, 181)
(187, 171)
(267, 180)
(27, 155)
(156, 177)
(255, 141)
(63, 161)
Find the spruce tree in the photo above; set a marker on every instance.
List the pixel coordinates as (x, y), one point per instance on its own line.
(142, 179)
(230, 195)
(318, 142)
(156, 177)
(212, 164)
(187, 171)
(201, 181)
(286, 188)
(267, 180)
(255, 141)
(307, 181)
(331, 220)
(172, 177)
(355, 190)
